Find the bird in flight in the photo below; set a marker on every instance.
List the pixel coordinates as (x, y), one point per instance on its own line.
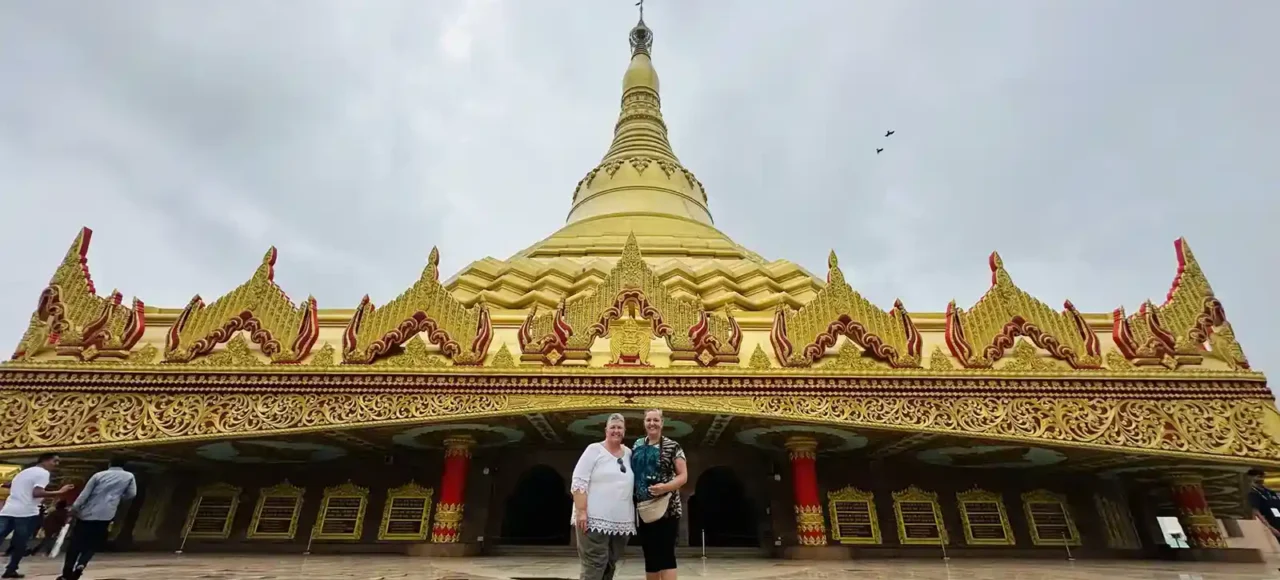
(888, 134)
(879, 150)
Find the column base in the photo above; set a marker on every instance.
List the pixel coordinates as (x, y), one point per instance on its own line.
(455, 550)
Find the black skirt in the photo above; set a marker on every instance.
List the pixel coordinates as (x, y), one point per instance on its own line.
(658, 540)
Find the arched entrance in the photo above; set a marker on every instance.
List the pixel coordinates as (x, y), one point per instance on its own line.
(537, 512)
(720, 508)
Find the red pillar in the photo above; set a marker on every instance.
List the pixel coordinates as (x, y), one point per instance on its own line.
(453, 490)
(810, 527)
(1194, 513)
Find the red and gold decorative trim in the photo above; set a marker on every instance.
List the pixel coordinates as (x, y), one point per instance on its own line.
(839, 310)
(811, 529)
(446, 527)
(71, 318)
(1194, 513)
(692, 333)
(426, 308)
(983, 334)
(283, 331)
(1177, 331)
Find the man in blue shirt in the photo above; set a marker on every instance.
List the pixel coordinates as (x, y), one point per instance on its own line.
(94, 510)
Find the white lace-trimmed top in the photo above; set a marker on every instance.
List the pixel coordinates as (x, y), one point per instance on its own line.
(610, 509)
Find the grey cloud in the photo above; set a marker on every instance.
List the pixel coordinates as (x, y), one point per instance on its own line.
(1077, 138)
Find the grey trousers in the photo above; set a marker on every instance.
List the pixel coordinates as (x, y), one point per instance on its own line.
(599, 554)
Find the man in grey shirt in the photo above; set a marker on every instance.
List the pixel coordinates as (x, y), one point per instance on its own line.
(94, 510)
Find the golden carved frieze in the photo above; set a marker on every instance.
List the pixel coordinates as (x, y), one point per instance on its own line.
(568, 332)
(801, 337)
(73, 320)
(428, 309)
(283, 331)
(1237, 429)
(1176, 332)
(981, 335)
(629, 342)
(1219, 430)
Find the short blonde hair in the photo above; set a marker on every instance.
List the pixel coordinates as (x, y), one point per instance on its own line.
(616, 418)
(658, 411)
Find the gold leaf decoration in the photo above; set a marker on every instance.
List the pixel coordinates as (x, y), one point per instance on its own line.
(760, 359)
(325, 357)
(850, 358)
(939, 361)
(503, 359)
(235, 354)
(143, 356)
(1026, 359)
(414, 356)
(1117, 362)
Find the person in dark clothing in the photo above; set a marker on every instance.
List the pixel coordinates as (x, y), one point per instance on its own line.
(1265, 502)
(52, 526)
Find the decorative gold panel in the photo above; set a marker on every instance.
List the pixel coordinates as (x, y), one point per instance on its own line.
(1190, 317)
(463, 334)
(1238, 430)
(919, 518)
(1121, 532)
(276, 516)
(407, 515)
(983, 516)
(212, 512)
(692, 333)
(853, 517)
(801, 337)
(1049, 519)
(283, 331)
(73, 320)
(980, 336)
(341, 514)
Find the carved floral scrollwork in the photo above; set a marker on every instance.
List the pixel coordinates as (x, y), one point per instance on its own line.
(801, 337)
(691, 332)
(983, 334)
(283, 331)
(426, 308)
(1190, 317)
(72, 319)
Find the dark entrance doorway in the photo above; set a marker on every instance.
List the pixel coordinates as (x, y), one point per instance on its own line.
(720, 508)
(537, 512)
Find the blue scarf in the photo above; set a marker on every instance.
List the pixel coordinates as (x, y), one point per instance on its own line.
(645, 463)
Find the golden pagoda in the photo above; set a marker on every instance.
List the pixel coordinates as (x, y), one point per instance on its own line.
(447, 420)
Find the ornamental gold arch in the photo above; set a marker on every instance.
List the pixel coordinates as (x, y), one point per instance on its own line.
(1243, 431)
(72, 320)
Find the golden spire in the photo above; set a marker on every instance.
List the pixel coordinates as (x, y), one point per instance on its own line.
(640, 174)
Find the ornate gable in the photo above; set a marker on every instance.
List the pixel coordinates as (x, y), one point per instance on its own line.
(980, 336)
(283, 331)
(426, 308)
(71, 318)
(692, 333)
(801, 337)
(1176, 331)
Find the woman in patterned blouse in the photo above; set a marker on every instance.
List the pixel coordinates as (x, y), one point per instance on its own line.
(660, 468)
(603, 512)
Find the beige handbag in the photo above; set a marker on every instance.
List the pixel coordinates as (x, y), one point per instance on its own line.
(652, 510)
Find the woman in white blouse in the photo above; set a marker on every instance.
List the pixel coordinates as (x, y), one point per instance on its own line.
(603, 512)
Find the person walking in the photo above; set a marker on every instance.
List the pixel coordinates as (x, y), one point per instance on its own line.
(94, 510)
(51, 526)
(21, 512)
(660, 470)
(603, 513)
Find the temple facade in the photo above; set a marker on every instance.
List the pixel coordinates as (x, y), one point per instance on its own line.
(817, 424)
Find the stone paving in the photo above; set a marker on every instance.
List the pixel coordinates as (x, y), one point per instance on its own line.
(277, 567)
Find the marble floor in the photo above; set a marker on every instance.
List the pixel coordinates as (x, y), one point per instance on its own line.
(244, 567)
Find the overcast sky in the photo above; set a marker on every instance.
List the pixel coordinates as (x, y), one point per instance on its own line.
(1077, 137)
